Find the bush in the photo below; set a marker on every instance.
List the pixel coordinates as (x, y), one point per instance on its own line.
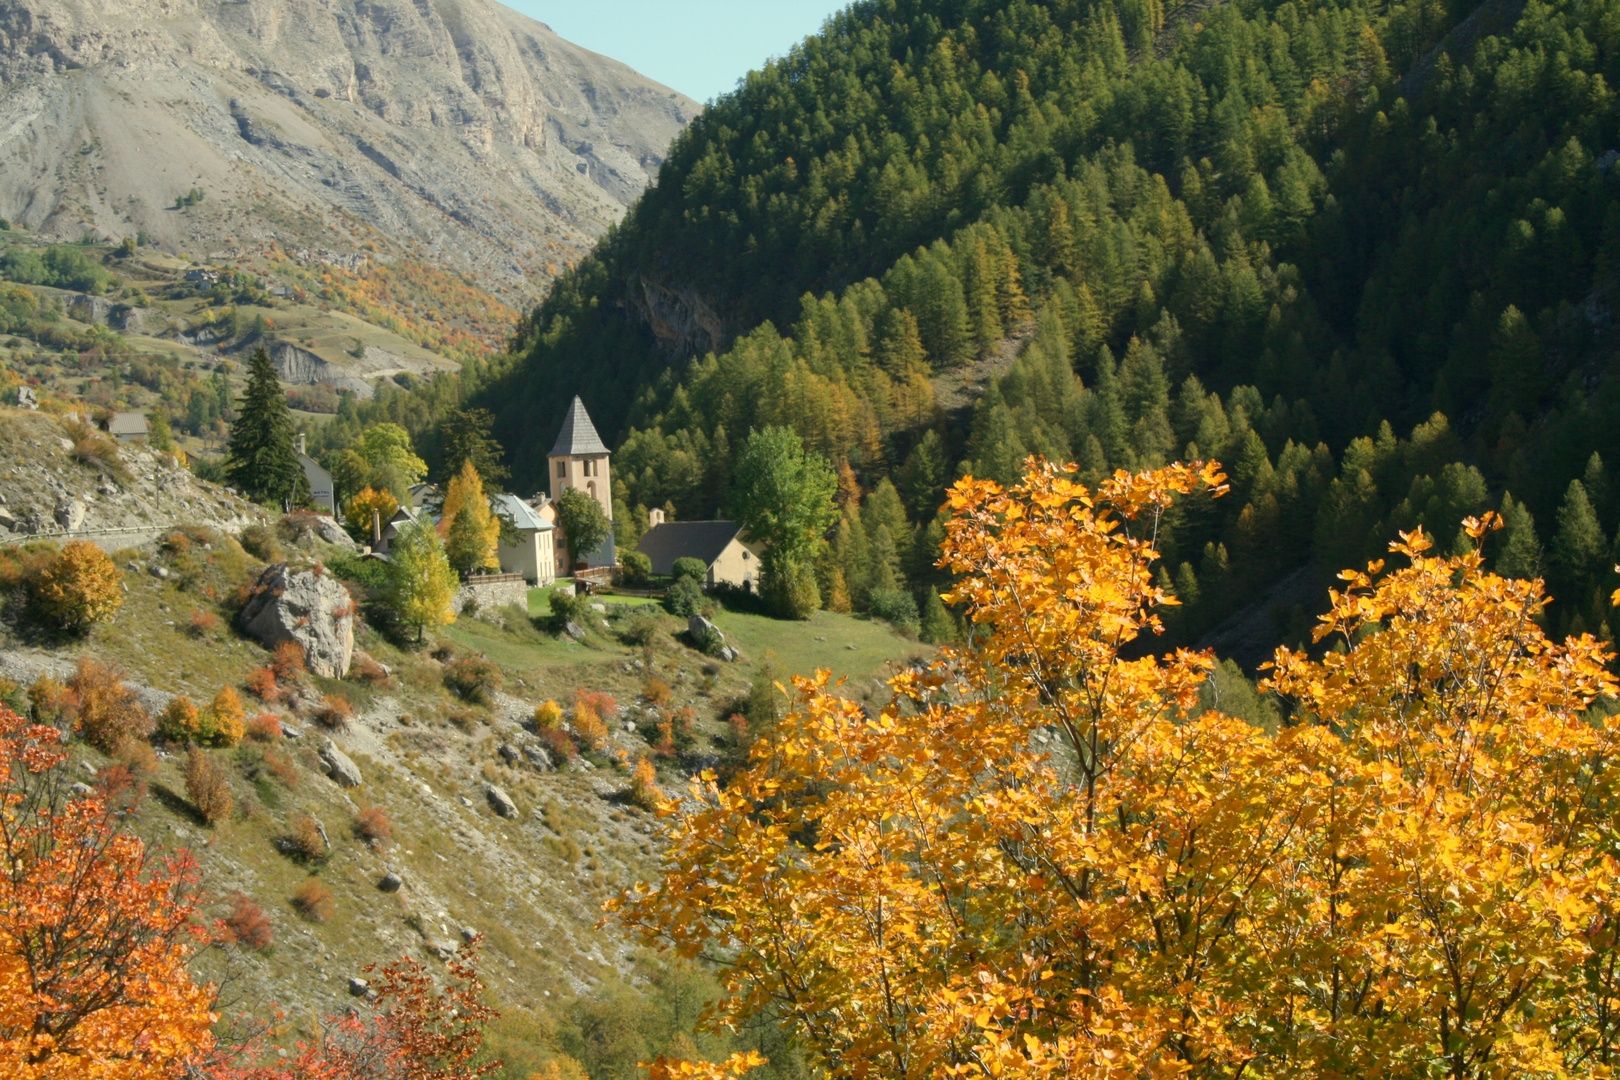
(683, 598)
(687, 568)
(640, 627)
(567, 606)
(371, 825)
(706, 639)
(281, 769)
(180, 721)
(637, 567)
(50, 702)
(464, 720)
(261, 683)
(371, 573)
(260, 542)
(547, 716)
(123, 784)
(364, 669)
(305, 839)
(247, 924)
(597, 701)
(589, 729)
(562, 748)
(893, 606)
(203, 624)
(644, 791)
(107, 712)
(226, 721)
(655, 690)
(313, 901)
(79, 588)
(288, 661)
(207, 787)
(265, 727)
(334, 712)
(474, 679)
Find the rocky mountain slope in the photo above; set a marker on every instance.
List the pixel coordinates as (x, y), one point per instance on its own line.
(339, 129)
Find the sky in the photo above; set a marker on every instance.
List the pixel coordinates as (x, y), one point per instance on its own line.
(699, 47)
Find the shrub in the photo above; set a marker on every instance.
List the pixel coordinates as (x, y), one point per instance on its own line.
(665, 746)
(687, 568)
(123, 784)
(894, 606)
(655, 690)
(465, 720)
(305, 839)
(203, 624)
(261, 683)
(366, 670)
(600, 702)
(589, 729)
(50, 702)
(706, 639)
(79, 588)
(474, 679)
(644, 791)
(246, 925)
(180, 721)
(371, 825)
(313, 901)
(207, 787)
(288, 661)
(568, 606)
(547, 716)
(265, 727)
(281, 769)
(637, 567)
(335, 711)
(640, 628)
(562, 748)
(260, 542)
(226, 721)
(683, 598)
(108, 714)
(371, 573)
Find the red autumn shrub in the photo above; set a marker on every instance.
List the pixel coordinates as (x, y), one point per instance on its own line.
(246, 925)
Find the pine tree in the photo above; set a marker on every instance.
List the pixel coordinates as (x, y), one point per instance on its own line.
(1579, 547)
(421, 583)
(467, 438)
(937, 627)
(921, 480)
(260, 458)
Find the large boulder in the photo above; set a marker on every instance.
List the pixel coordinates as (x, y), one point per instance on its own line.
(307, 606)
(339, 766)
(500, 801)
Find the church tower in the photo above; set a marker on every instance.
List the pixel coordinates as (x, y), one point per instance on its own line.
(580, 460)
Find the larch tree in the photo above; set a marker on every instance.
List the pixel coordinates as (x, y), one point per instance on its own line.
(260, 458)
(474, 548)
(1412, 877)
(95, 932)
(421, 584)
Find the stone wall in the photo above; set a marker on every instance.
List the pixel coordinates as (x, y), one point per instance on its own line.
(492, 591)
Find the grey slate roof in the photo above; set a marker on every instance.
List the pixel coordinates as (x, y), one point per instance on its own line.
(578, 434)
(520, 514)
(672, 540)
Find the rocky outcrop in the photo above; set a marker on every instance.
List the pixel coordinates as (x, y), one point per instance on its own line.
(503, 147)
(307, 606)
(339, 766)
(500, 802)
(302, 367)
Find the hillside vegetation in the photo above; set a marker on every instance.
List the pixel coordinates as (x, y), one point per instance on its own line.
(1284, 236)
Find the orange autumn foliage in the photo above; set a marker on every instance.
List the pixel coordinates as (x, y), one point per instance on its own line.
(1414, 877)
(95, 933)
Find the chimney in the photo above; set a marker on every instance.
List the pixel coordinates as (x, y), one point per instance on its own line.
(376, 529)
(298, 442)
(655, 517)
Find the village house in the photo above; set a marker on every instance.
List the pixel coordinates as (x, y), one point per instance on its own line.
(732, 559)
(534, 554)
(126, 426)
(321, 491)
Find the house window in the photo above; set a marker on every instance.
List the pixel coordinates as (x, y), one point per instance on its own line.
(562, 468)
(746, 555)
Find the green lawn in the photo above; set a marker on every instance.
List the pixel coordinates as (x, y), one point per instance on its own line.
(799, 653)
(540, 599)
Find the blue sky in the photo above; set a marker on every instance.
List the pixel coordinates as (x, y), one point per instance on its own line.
(699, 47)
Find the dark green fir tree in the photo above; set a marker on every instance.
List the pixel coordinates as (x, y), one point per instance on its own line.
(260, 458)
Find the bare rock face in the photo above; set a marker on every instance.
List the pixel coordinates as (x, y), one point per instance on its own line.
(505, 149)
(310, 608)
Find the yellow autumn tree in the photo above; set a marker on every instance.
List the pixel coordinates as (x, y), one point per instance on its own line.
(471, 537)
(369, 505)
(1045, 858)
(80, 587)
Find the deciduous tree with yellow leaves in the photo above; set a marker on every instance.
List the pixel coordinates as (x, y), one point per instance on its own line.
(1413, 878)
(470, 529)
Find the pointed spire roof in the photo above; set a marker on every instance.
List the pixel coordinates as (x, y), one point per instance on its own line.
(578, 434)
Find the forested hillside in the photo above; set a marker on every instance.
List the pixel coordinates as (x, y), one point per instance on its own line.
(1363, 253)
